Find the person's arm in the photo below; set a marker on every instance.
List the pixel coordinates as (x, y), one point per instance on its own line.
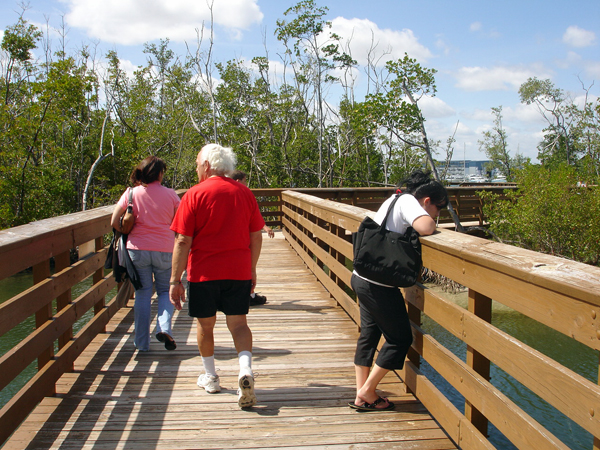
(115, 220)
(255, 247)
(424, 225)
(269, 231)
(181, 250)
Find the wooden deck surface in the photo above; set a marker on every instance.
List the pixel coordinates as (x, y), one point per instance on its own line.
(303, 351)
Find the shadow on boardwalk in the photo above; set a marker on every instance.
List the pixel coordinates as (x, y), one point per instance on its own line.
(303, 352)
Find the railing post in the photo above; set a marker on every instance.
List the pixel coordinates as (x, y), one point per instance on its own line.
(341, 233)
(413, 296)
(597, 438)
(325, 225)
(481, 306)
(61, 262)
(41, 271)
(98, 276)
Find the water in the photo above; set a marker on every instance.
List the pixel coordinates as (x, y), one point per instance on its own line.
(570, 353)
(12, 286)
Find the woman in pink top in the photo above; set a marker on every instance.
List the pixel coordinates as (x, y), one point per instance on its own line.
(150, 246)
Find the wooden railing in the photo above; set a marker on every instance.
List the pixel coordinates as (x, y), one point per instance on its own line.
(467, 204)
(558, 293)
(46, 248)
(320, 230)
(52, 342)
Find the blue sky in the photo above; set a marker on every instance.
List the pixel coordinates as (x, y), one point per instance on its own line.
(482, 50)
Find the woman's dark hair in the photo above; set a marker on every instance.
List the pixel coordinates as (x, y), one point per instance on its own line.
(420, 185)
(148, 170)
(238, 175)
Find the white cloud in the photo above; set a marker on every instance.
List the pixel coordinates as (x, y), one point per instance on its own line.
(496, 78)
(578, 37)
(364, 37)
(443, 46)
(475, 26)
(571, 59)
(435, 107)
(592, 69)
(524, 114)
(128, 67)
(131, 22)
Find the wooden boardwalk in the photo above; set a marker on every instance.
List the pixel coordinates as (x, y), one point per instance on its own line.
(303, 350)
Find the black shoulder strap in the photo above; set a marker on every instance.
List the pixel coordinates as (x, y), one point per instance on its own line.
(390, 208)
(130, 196)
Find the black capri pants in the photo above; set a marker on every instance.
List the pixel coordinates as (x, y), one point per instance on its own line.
(382, 311)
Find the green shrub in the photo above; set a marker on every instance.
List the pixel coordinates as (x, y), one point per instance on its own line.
(549, 213)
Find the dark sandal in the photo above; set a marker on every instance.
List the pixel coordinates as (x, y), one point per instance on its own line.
(355, 406)
(373, 406)
(168, 340)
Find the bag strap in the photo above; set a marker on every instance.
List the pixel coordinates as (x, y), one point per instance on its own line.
(130, 203)
(390, 208)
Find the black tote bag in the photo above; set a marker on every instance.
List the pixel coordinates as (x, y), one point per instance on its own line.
(385, 256)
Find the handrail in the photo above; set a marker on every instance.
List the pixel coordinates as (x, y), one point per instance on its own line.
(465, 200)
(35, 245)
(50, 300)
(52, 343)
(559, 293)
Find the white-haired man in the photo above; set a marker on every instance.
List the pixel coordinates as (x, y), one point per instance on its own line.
(219, 238)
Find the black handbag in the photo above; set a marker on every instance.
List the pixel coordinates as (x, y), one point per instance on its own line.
(385, 256)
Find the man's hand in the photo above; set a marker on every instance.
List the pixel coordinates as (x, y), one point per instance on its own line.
(177, 295)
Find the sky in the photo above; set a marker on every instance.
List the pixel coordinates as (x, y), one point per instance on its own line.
(482, 50)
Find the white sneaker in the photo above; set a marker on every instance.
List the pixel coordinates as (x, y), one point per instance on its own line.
(246, 396)
(210, 383)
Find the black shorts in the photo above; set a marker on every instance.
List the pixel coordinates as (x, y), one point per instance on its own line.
(231, 297)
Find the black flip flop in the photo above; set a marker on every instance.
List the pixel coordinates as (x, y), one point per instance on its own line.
(372, 406)
(168, 340)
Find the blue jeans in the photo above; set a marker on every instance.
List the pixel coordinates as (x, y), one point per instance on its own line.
(148, 263)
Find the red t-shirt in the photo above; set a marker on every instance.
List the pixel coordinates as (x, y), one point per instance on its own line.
(219, 214)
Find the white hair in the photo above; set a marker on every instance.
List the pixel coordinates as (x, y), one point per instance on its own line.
(222, 160)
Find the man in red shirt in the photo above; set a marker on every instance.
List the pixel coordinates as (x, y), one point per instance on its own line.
(219, 238)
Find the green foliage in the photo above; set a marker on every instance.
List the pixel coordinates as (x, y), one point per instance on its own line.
(70, 134)
(549, 213)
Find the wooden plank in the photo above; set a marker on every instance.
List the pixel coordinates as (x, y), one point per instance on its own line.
(563, 276)
(26, 245)
(118, 398)
(452, 421)
(520, 284)
(341, 245)
(521, 429)
(345, 216)
(332, 263)
(349, 305)
(23, 305)
(564, 389)
(19, 406)
(15, 360)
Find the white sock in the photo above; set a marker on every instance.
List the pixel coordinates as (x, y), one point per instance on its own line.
(253, 295)
(245, 358)
(209, 365)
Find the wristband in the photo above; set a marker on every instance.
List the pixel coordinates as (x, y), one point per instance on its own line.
(173, 283)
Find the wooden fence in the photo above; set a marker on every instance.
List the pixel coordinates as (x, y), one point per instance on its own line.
(319, 229)
(558, 293)
(465, 200)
